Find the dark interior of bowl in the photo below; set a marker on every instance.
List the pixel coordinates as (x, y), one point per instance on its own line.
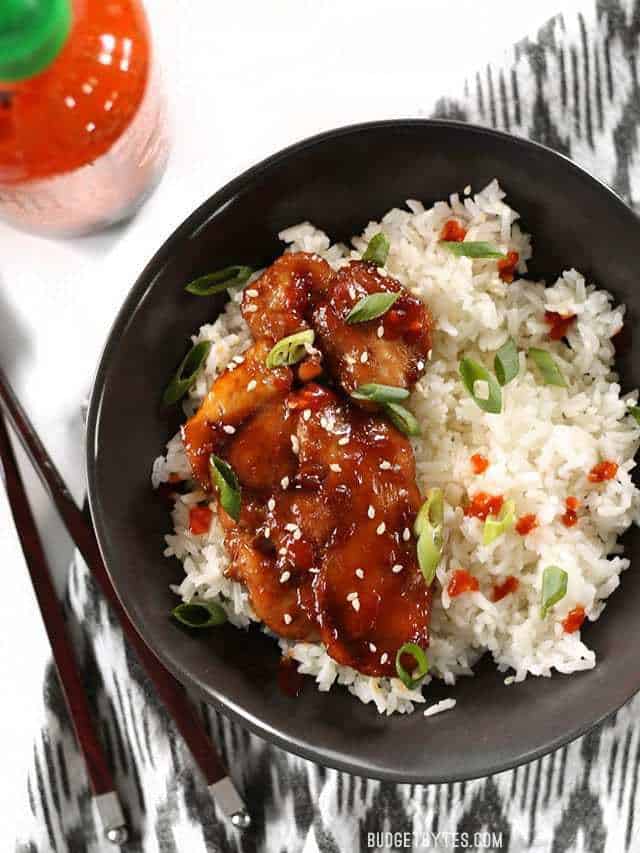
(340, 181)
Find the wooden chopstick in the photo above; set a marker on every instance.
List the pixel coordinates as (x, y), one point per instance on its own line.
(168, 688)
(100, 777)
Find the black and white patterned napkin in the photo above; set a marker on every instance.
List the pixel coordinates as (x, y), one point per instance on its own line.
(575, 88)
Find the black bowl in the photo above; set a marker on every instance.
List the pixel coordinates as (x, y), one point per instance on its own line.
(340, 180)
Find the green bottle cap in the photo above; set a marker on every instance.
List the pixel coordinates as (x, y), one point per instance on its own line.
(32, 33)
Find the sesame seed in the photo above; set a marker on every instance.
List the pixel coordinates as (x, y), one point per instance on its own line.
(324, 423)
(351, 596)
(297, 534)
(360, 573)
(371, 512)
(267, 533)
(295, 444)
(380, 331)
(385, 465)
(291, 527)
(282, 552)
(271, 504)
(356, 604)
(384, 658)
(335, 467)
(250, 309)
(229, 429)
(344, 440)
(380, 529)
(406, 534)
(238, 359)
(284, 482)
(420, 365)
(306, 414)
(284, 577)
(397, 568)
(252, 292)
(252, 385)
(364, 358)
(467, 189)
(373, 647)
(287, 619)
(314, 571)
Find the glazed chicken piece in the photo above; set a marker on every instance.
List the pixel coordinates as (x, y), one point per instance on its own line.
(238, 393)
(328, 492)
(279, 302)
(390, 350)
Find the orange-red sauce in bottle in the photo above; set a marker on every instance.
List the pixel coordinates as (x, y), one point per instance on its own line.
(82, 137)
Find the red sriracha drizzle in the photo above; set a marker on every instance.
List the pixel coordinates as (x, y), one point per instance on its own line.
(462, 581)
(479, 463)
(606, 470)
(500, 590)
(570, 518)
(526, 523)
(483, 505)
(507, 266)
(199, 519)
(573, 621)
(558, 324)
(453, 232)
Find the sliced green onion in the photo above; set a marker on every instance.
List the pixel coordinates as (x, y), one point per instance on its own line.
(431, 512)
(421, 668)
(471, 372)
(199, 614)
(290, 350)
(187, 373)
(471, 249)
(506, 362)
(428, 528)
(371, 306)
(496, 526)
(224, 478)
(548, 368)
(635, 411)
(377, 251)
(215, 282)
(402, 419)
(380, 393)
(554, 588)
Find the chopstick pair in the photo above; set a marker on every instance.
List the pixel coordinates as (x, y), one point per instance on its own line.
(168, 688)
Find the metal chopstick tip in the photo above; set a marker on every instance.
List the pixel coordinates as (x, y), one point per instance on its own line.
(230, 802)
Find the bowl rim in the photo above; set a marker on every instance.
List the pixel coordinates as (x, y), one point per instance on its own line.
(143, 284)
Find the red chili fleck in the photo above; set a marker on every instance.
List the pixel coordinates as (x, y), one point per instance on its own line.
(479, 463)
(558, 323)
(300, 552)
(462, 581)
(404, 320)
(507, 266)
(453, 232)
(570, 517)
(199, 519)
(526, 523)
(603, 471)
(483, 505)
(573, 621)
(500, 590)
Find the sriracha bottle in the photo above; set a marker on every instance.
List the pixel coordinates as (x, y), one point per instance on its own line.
(82, 118)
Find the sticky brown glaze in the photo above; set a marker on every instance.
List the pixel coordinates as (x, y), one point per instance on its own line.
(313, 470)
(236, 395)
(395, 356)
(278, 303)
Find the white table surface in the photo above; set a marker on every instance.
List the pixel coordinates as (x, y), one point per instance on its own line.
(244, 79)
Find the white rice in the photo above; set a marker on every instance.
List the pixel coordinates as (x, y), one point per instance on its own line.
(540, 449)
